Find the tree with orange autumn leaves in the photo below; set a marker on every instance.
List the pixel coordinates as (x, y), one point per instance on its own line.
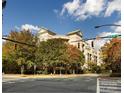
(111, 55)
(75, 58)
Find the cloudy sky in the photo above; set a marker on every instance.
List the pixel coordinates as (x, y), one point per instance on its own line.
(63, 16)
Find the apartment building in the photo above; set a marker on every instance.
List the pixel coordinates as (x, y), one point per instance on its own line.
(74, 38)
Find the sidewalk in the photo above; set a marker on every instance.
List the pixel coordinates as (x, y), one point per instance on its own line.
(11, 77)
(46, 76)
(14, 77)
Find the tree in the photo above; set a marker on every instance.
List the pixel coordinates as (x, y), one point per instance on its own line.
(56, 56)
(75, 58)
(50, 54)
(92, 67)
(31, 65)
(14, 53)
(21, 62)
(111, 55)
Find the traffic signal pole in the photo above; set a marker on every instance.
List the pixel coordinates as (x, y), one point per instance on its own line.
(15, 41)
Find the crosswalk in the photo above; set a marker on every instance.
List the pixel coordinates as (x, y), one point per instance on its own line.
(108, 85)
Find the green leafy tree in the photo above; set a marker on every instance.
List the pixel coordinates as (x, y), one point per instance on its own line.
(92, 67)
(50, 54)
(15, 51)
(56, 55)
(21, 62)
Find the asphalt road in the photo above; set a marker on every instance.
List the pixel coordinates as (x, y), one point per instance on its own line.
(58, 85)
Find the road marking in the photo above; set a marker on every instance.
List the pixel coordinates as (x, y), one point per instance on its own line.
(98, 91)
(108, 85)
(17, 80)
(11, 82)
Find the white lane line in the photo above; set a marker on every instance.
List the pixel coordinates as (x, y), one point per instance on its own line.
(98, 91)
(110, 91)
(107, 87)
(110, 84)
(11, 82)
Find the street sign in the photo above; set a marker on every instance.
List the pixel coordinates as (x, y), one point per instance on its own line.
(113, 36)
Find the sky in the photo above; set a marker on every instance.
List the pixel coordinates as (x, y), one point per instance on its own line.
(63, 16)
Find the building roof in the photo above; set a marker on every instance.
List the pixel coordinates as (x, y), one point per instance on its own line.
(78, 32)
(45, 30)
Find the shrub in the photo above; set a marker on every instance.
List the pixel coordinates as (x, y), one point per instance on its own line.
(115, 75)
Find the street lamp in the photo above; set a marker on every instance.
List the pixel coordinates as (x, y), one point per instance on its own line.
(110, 36)
(98, 26)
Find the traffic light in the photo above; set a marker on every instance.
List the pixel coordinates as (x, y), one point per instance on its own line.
(15, 46)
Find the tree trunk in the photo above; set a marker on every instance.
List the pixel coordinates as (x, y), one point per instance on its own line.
(73, 71)
(46, 71)
(34, 69)
(65, 71)
(60, 71)
(22, 69)
(54, 71)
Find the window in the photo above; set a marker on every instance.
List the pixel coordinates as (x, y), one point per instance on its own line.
(82, 45)
(78, 45)
(90, 57)
(92, 44)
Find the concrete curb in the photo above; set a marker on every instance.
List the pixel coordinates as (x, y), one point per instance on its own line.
(46, 76)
